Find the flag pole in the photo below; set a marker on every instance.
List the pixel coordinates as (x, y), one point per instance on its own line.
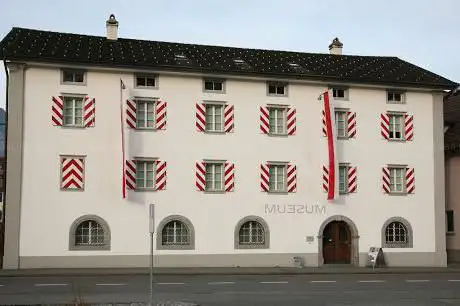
(123, 184)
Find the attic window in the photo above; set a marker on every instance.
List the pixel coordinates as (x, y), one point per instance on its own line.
(181, 59)
(73, 77)
(296, 67)
(241, 63)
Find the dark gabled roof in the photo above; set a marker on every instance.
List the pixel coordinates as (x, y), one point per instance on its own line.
(44, 46)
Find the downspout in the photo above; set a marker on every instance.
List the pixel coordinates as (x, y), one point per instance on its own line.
(5, 156)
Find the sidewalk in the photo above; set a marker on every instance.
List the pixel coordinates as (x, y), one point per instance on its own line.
(229, 271)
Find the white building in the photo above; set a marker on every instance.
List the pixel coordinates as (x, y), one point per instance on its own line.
(228, 144)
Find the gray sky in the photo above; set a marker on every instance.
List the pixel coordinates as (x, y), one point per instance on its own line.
(424, 32)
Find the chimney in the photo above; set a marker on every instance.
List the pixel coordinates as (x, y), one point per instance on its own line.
(336, 47)
(112, 28)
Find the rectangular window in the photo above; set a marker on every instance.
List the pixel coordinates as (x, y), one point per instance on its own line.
(395, 97)
(277, 178)
(276, 89)
(450, 221)
(340, 93)
(214, 85)
(73, 111)
(277, 120)
(214, 117)
(396, 126)
(146, 81)
(145, 174)
(214, 176)
(73, 77)
(341, 123)
(145, 114)
(397, 180)
(343, 178)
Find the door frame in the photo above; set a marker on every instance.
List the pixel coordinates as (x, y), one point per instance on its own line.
(354, 260)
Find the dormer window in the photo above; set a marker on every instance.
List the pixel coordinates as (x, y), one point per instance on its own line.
(181, 59)
(73, 77)
(146, 81)
(339, 93)
(211, 85)
(277, 89)
(396, 97)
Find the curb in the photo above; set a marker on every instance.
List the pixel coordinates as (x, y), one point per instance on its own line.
(297, 271)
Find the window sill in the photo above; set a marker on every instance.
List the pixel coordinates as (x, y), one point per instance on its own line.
(145, 87)
(146, 129)
(214, 132)
(278, 135)
(395, 102)
(74, 83)
(145, 189)
(398, 193)
(277, 95)
(396, 140)
(214, 191)
(450, 233)
(278, 192)
(69, 126)
(90, 248)
(73, 189)
(251, 246)
(343, 137)
(175, 247)
(397, 246)
(214, 91)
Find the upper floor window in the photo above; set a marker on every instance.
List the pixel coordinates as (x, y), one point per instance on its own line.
(276, 89)
(395, 97)
(277, 120)
(145, 114)
(341, 123)
(340, 93)
(213, 85)
(396, 126)
(277, 178)
(343, 178)
(214, 176)
(73, 111)
(214, 117)
(397, 182)
(73, 76)
(145, 174)
(146, 81)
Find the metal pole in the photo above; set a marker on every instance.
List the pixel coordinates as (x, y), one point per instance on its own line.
(151, 268)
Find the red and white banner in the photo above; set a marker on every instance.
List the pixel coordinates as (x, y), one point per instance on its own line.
(332, 168)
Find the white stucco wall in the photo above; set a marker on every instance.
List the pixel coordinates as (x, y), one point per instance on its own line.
(47, 212)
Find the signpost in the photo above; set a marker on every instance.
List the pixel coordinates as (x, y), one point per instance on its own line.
(152, 231)
(375, 254)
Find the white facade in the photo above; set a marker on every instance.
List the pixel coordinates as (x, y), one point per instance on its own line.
(47, 212)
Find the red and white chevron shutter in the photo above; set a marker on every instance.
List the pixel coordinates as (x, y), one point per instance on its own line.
(200, 117)
(351, 124)
(229, 176)
(291, 121)
(72, 173)
(160, 113)
(352, 179)
(131, 113)
(89, 111)
(291, 178)
(264, 177)
(264, 120)
(410, 180)
(409, 127)
(57, 110)
(229, 118)
(385, 125)
(200, 176)
(325, 179)
(131, 174)
(323, 119)
(160, 175)
(386, 180)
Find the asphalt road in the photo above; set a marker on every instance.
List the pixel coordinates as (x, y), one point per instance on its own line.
(241, 290)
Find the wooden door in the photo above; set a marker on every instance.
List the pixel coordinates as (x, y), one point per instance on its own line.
(337, 243)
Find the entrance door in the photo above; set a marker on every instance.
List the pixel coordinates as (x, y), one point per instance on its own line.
(337, 243)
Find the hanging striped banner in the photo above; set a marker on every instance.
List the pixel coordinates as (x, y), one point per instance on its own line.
(332, 169)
